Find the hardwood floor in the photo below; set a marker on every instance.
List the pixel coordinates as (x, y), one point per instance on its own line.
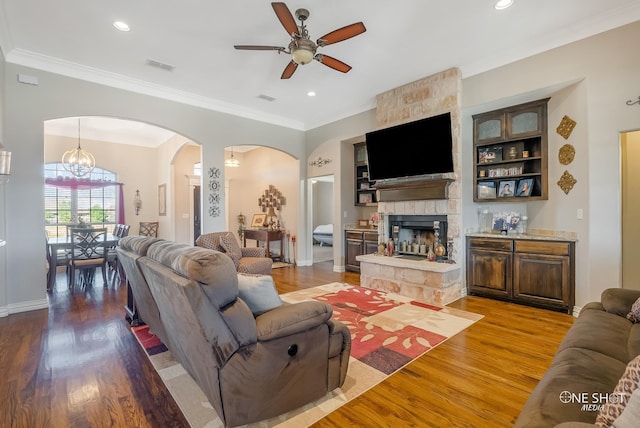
(78, 365)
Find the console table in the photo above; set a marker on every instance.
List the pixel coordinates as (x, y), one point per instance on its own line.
(267, 236)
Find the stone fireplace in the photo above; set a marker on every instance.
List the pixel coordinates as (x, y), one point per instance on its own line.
(437, 283)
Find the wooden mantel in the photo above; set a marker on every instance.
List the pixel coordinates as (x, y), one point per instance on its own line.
(414, 190)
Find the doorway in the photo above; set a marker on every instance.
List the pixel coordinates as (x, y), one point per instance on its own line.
(630, 188)
(322, 198)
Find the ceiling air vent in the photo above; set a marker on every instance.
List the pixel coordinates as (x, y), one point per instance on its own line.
(266, 97)
(161, 65)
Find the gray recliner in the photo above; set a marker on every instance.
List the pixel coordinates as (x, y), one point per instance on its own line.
(250, 367)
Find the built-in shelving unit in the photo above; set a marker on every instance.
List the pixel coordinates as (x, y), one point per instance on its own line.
(365, 190)
(510, 154)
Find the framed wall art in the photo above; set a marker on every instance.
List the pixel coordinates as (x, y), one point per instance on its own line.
(258, 220)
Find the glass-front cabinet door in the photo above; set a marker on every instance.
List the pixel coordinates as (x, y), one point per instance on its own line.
(490, 129)
(525, 123)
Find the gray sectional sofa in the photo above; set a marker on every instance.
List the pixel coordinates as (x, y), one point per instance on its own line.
(250, 366)
(590, 361)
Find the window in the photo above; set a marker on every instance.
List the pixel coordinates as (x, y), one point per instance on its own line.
(66, 206)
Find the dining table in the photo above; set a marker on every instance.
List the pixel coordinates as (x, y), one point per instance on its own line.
(58, 243)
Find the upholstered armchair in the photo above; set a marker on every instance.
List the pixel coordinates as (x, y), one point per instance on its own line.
(246, 259)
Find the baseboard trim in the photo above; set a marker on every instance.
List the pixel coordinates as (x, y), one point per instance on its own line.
(15, 308)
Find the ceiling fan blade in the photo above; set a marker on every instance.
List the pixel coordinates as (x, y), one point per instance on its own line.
(341, 34)
(286, 18)
(333, 63)
(289, 70)
(259, 48)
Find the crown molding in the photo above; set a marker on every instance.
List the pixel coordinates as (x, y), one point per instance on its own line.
(54, 65)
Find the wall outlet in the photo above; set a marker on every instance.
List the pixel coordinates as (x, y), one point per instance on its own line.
(579, 214)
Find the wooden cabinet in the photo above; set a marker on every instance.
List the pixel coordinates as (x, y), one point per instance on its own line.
(357, 243)
(533, 272)
(365, 191)
(510, 153)
(492, 262)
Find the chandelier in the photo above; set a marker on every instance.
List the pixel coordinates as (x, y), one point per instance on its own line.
(232, 162)
(78, 161)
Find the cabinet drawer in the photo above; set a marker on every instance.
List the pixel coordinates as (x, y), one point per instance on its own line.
(354, 235)
(371, 237)
(543, 247)
(492, 244)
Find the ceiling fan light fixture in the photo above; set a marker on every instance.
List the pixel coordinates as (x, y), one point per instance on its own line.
(302, 55)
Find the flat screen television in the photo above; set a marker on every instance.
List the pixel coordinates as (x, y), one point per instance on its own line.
(411, 150)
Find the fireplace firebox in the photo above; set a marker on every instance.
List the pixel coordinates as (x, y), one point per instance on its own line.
(415, 234)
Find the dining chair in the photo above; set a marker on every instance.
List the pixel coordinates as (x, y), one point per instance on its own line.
(149, 228)
(115, 270)
(61, 258)
(88, 251)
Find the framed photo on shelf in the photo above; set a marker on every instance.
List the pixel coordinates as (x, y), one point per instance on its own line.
(258, 220)
(524, 187)
(365, 198)
(490, 154)
(486, 190)
(507, 189)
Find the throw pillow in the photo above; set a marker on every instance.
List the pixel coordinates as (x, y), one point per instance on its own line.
(634, 315)
(628, 383)
(258, 292)
(231, 247)
(631, 413)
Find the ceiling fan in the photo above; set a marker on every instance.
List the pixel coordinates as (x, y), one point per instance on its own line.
(301, 48)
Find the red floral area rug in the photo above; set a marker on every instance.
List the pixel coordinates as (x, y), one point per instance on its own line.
(388, 331)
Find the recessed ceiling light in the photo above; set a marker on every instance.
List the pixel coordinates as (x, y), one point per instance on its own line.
(121, 25)
(503, 4)
(311, 94)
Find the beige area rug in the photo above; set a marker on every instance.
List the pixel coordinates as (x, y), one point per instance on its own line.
(388, 331)
(278, 265)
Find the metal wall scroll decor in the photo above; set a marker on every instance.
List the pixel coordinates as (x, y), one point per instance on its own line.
(631, 102)
(566, 127)
(320, 162)
(214, 192)
(271, 197)
(566, 182)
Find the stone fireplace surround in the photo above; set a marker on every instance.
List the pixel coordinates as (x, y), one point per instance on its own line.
(436, 283)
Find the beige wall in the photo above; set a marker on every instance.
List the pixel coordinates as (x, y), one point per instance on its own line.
(3, 266)
(259, 169)
(126, 161)
(630, 164)
(590, 81)
(182, 206)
